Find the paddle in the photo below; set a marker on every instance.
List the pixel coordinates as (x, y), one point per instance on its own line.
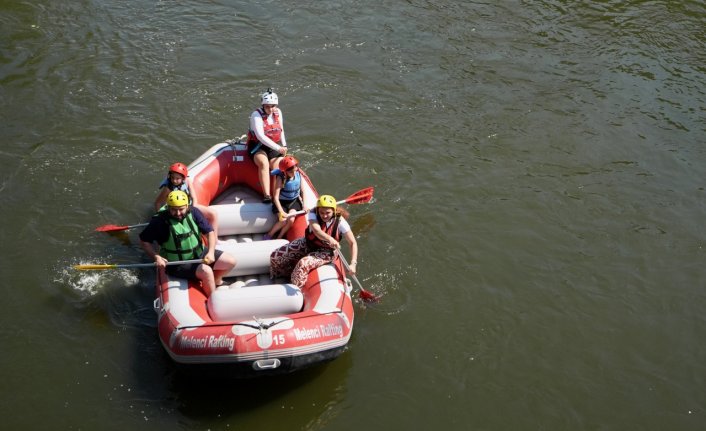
(365, 295)
(131, 265)
(115, 228)
(360, 197)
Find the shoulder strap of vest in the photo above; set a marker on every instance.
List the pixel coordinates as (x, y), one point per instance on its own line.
(264, 115)
(334, 226)
(192, 224)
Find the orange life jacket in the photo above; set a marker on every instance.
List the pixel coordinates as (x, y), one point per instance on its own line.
(272, 130)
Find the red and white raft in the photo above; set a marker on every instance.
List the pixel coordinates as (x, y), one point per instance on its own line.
(254, 325)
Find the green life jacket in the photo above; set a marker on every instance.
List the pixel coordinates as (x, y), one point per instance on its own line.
(184, 242)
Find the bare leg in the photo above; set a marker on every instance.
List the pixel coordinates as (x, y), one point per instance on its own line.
(205, 274)
(222, 267)
(276, 228)
(263, 171)
(288, 223)
(274, 164)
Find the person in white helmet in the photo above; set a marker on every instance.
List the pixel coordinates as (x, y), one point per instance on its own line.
(266, 141)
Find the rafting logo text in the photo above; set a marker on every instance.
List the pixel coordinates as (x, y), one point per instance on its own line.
(329, 330)
(211, 342)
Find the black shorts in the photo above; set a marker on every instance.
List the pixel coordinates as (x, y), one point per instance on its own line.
(256, 147)
(288, 205)
(188, 270)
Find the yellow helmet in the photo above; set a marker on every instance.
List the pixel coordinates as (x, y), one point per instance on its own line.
(326, 201)
(177, 198)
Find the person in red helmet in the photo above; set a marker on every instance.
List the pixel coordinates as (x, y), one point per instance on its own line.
(288, 196)
(266, 141)
(178, 179)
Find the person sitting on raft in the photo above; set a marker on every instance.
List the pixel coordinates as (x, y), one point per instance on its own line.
(327, 225)
(266, 141)
(178, 179)
(178, 231)
(288, 196)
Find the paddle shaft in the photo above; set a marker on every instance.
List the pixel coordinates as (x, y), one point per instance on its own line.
(363, 293)
(132, 265)
(359, 197)
(115, 228)
(302, 211)
(132, 226)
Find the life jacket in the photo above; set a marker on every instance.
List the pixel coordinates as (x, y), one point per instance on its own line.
(290, 186)
(183, 187)
(184, 241)
(313, 242)
(272, 130)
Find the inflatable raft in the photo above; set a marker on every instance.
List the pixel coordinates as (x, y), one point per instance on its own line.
(255, 325)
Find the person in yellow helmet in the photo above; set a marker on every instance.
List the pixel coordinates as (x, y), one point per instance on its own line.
(327, 226)
(178, 230)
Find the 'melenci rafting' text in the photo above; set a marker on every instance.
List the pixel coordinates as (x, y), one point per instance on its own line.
(211, 342)
(319, 331)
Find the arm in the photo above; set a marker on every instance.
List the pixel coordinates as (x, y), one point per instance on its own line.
(257, 127)
(323, 236)
(281, 122)
(147, 238)
(211, 252)
(354, 250)
(152, 253)
(205, 228)
(275, 195)
(191, 190)
(161, 198)
(302, 197)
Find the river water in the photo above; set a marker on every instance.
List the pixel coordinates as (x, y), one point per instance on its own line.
(536, 233)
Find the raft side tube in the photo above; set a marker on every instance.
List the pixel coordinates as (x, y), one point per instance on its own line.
(234, 219)
(261, 301)
(251, 258)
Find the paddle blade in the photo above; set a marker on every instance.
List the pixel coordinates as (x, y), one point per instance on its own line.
(111, 228)
(368, 296)
(89, 267)
(361, 196)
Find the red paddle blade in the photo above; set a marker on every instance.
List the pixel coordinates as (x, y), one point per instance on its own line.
(361, 196)
(111, 228)
(368, 296)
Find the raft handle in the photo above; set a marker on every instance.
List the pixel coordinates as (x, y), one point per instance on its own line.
(157, 304)
(266, 364)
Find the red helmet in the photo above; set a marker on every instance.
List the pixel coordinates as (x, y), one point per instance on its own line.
(179, 168)
(287, 163)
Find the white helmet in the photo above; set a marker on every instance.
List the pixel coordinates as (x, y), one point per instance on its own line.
(269, 98)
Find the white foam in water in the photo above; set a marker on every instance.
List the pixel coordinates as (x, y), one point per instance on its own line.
(81, 281)
(129, 277)
(91, 281)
